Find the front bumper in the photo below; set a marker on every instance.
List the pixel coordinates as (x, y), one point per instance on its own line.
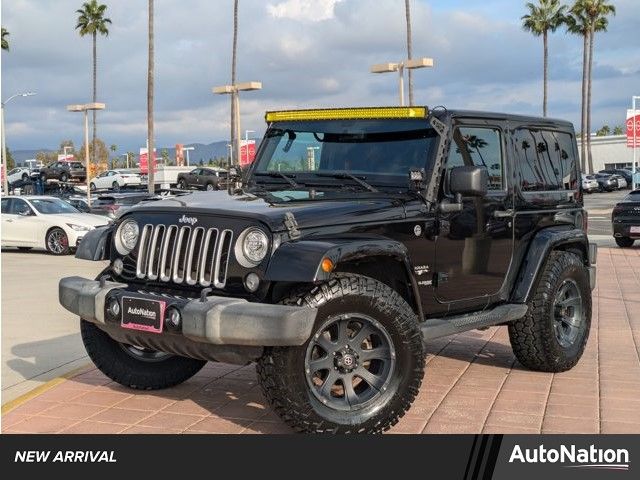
(214, 321)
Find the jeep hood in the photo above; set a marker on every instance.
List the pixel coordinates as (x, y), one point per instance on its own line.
(308, 213)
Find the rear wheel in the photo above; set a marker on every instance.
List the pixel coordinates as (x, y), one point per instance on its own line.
(25, 177)
(360, 370)
(57, 242)
(552, 336)
(115, 186)
(624, 242)
(133, 366)
(92, 186)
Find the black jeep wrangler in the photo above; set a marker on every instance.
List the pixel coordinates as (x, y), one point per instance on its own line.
(357, 236)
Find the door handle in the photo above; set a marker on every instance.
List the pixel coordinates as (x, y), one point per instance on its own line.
(503, 213)
(9, 220)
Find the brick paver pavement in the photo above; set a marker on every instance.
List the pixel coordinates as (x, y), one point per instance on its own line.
(473, 384)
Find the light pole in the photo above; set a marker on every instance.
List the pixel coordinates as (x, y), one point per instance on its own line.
(5, 170)
(400, 67)
(246, 142)
(126, 155)
(188, 149)
(85, 108)
(234, 90)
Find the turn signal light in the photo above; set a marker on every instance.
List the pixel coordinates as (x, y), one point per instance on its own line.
(327, 265)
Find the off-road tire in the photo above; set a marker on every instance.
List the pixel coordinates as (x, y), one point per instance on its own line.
(532, 337)
(112, 360)
(624, 242)
(281, 371)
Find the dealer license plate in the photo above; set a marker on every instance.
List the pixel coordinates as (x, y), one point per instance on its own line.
(141, 314)
(634, 229)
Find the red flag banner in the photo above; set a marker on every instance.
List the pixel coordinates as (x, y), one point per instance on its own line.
(144, 161)
(633, 123)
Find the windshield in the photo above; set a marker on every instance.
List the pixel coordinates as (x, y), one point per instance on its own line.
(382, 152)
(52, 205)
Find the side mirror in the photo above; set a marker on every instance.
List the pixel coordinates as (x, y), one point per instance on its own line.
(465, 182)
(469, 181)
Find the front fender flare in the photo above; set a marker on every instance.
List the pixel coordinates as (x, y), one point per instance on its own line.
(301, 261)
(95, 244)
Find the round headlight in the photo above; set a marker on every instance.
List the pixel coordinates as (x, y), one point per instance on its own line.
(252, 247)
(127, 237)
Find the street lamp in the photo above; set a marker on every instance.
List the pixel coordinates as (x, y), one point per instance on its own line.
(246, 142)
(634, 169)
(5, 170)
(234, 90)
(188, 149)
(86, 107)
(400, 67)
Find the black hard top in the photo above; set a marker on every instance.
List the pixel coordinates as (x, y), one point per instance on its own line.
(528, 119)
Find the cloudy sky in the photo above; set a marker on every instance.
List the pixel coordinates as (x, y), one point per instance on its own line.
(306, 53)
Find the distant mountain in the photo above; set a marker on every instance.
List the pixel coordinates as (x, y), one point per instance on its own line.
(201, 151)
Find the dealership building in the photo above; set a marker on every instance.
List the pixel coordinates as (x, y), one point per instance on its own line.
(611, 152)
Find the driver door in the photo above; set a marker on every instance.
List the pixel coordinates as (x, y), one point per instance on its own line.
(475, 245)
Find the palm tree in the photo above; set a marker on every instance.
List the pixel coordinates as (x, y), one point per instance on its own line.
(5, 40)
(586, 18)
(113, 149)
(234, 52)
(92, 21)
(597, 12)
(407, 10)
(150, 85)
(578, 24)
(543, 18)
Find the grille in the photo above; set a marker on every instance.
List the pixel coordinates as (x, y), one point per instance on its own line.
(195, 256)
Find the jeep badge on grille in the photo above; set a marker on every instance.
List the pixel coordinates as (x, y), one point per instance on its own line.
(190, 220)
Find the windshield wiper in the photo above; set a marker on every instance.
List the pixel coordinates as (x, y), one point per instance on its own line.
(342, 176)
(289, 179)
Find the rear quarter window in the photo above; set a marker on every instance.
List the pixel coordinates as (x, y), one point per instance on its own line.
(547, 160)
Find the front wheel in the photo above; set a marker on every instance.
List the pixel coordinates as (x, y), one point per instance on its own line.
(64, 177)
(360, 370)
(210, 187)
(182, 185)
(552, 336)
(136, 367)
(57, 242)
(624, 242)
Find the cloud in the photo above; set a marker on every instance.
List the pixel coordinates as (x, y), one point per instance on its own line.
(483, 59)
(309, 10)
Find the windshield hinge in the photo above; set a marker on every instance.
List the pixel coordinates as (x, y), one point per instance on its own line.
(291, 225)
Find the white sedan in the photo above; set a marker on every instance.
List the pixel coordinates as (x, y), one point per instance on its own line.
(115, 179)
(47, 223)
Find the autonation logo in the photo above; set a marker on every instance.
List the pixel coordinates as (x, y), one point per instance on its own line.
(574, 457)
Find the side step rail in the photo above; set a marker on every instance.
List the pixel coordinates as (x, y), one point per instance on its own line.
(442, 327)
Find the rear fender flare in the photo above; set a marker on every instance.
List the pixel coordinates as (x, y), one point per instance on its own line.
(539, 248)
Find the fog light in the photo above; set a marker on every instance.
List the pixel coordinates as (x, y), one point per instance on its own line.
(251, 282)
(118, 266)
(173, 318)
(114, 307)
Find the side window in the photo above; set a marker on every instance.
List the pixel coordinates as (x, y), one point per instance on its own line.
(20, 207)
(6, 205)
(546, 160)
(480, 147)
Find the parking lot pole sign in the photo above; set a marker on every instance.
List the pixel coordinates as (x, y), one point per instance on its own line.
(633, 137)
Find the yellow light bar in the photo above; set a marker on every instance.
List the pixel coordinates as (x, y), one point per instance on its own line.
(346, 114)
